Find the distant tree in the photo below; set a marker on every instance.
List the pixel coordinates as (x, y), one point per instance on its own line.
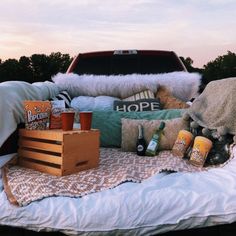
(39, 63)
(188, 62)
(26, 71)
(222, 67)
(38, 67)
(58, 62)
(9, 70)
(44, 67)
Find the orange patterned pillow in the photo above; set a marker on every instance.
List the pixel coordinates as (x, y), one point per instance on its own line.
(168, 101)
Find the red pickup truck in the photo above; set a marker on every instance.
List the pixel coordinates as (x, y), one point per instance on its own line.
(126, 62)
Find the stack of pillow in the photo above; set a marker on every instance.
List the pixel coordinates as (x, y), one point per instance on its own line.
(120, 103)
(142, 101)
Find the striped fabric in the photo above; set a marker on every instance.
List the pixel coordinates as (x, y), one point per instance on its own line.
(147, 94)
(63, 96)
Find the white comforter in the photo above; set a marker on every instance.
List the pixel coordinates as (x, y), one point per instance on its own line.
(12, 93)
(161, 203)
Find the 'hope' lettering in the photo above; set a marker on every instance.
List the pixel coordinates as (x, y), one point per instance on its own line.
(138, 106)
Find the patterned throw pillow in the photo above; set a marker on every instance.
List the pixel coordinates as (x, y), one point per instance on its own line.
(141, 95)
(63, 95)
(140, 105)
(130, 132)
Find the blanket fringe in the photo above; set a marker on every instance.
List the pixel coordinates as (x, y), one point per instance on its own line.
(7, 188)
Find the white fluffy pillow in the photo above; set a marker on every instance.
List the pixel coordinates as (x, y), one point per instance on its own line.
(121, 86)
(183, 85)
(86, 103)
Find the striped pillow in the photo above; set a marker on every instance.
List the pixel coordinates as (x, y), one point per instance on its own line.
(141, 95)
(63, 95)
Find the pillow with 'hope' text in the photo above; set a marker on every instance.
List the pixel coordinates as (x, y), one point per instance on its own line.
(139, 105)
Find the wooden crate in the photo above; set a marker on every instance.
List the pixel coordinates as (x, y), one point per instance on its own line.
(58, 152)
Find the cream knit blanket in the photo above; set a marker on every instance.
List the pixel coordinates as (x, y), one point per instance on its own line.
(215, 108)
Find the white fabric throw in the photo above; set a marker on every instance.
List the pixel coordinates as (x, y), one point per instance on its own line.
(183, 85)
(159, 204)
(12, 93)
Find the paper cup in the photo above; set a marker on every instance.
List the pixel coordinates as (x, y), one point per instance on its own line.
(183, 141)
(201, 148)
(85, 118)
(67, 120)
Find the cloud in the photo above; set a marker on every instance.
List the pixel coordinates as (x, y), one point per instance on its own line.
(44, 26)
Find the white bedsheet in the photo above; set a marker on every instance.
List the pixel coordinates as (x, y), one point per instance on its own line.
(161, 203)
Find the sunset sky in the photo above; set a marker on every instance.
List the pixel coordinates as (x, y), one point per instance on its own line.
(200, 29)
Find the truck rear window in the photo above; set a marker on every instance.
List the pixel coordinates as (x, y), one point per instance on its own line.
(128, 64)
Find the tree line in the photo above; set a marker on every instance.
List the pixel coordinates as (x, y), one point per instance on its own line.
(41, 67)
(222, 67)
(36, 68)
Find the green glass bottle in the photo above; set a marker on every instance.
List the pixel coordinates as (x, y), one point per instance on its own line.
(141, 143)
(155, 141)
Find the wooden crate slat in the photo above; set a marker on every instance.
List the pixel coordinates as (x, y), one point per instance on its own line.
(40, 156)
(49, 135)
(40, 145)
(40, 167)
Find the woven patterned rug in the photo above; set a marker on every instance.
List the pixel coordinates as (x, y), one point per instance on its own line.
(24, 185)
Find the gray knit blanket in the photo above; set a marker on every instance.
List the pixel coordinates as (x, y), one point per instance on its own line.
(215, 108)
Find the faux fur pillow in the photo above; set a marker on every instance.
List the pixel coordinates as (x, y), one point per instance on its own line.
(130, 132)
(168, 101)
(183, 85)
(121, 86)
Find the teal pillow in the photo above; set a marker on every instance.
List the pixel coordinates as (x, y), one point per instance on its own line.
(109, 122)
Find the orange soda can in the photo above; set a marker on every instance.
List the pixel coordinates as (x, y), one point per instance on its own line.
(183, 141)
(201, 148)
